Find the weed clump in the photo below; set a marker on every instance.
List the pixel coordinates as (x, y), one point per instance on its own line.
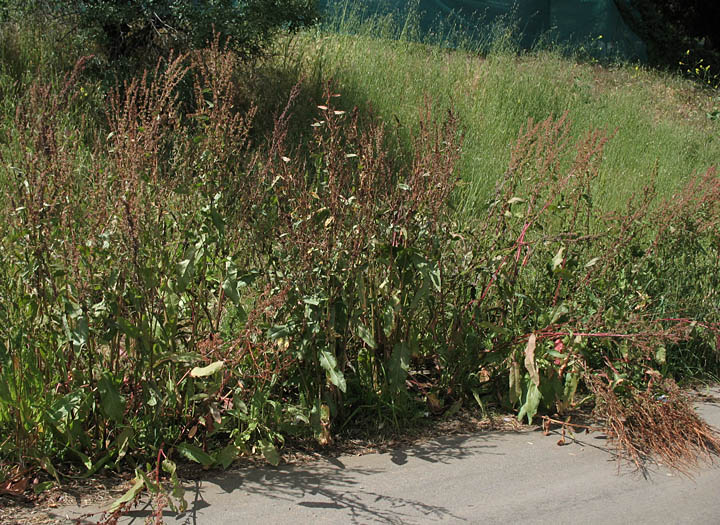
(657, 423)
(176, 291)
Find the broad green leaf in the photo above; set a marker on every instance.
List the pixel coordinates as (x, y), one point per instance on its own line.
(85, 460)
(278, 332)
(129, 496)
(151, 485)
(49, 468)
(530, 360)
(113, 404)
(230, 288)
(571, 384)
(179, 357)
(270, 452)
(42, 487)
(217, 220)
(592, 262)
(329, 363)
(73, 309)
(97, 465)
(399, 365)
(186, 270)
(123, 442)
(436, 279)
(494, 329)
(178, 491)
(128, 329)
(234, 282)
(559, 311)
(208, 370)
(81, 332)
(421, 294)
(366, 335)
(227, 455)
(388, 319)
(196, 454)
(313, 300)
(532, 402)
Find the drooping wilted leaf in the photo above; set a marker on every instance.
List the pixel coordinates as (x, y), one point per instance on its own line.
(269, 452)
(208, 370)
(515, 386)
(86, 461)
(113, 404)
(46, 464)
(196, 454)
(129, 496)
(530, 360)
(568, 397)
(558, 259)
(532, 402)
(329, 363)
(366, 335)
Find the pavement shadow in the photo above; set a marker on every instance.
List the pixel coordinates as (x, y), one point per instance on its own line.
(336, 484)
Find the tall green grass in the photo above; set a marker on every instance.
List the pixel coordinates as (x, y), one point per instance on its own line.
(658, 120)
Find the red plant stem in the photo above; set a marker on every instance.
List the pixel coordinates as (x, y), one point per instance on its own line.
(157, 464)
(546, 335)
(714, 327)
(521, 241)
(187, 373)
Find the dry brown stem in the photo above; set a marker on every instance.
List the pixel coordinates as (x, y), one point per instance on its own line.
(658, 423)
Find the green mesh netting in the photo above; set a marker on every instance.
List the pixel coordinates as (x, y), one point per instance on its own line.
(595, 25)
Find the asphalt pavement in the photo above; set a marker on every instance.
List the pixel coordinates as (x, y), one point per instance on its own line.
(491, 477)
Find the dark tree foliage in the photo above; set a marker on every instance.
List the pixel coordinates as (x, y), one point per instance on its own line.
(671, 28)
(132, 27)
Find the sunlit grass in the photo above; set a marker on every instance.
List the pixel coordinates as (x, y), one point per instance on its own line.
(659, 120)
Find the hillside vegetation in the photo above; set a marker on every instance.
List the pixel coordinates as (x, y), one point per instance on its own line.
(214, 256)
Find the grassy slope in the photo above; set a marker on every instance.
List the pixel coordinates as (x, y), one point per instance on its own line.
(660, 119)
